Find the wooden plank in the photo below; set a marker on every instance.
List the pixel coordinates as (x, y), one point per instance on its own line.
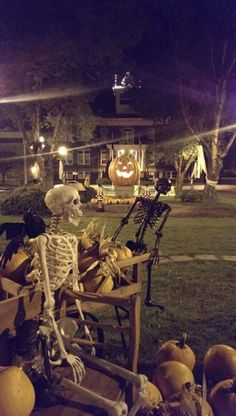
(18, 309)
(140, 258)
(101, 383)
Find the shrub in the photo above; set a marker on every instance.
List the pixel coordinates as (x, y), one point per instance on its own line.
(103, 181)
(192, 196)
(88, 194)
(23, 198)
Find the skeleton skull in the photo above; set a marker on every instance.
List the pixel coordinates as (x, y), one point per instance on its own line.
(64, 201)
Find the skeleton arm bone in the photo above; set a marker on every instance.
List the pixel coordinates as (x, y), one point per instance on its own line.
(124, 221)
(75, 362)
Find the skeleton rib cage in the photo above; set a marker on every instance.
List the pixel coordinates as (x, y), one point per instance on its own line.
(149, 213)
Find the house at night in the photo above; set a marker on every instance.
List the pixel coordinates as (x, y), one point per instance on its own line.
(118, 130)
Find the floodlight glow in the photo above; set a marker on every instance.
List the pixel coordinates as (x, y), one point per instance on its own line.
(62, 151)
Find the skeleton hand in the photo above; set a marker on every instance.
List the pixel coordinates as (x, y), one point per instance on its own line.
(77, 367)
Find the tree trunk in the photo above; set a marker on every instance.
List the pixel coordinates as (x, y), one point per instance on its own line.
(213, 173)
(179, 184)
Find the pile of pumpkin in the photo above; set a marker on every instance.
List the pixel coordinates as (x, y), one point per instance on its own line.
(174, 392)
(110, 201)
(95, 252)
(97, 260)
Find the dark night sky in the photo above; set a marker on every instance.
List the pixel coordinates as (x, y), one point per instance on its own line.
(140, 35)
(144, 26)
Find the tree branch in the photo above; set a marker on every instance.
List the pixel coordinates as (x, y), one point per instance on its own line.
(228, 145)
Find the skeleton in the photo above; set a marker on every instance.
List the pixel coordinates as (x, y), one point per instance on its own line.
(150, 212)
(58, 266)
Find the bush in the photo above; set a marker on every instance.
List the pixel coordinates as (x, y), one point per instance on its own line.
(103, 181)
(192, 196)
(23, 198)
(88, 194)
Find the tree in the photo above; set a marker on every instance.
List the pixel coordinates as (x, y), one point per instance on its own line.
(57, 59)
(205, 77)
(173, 147)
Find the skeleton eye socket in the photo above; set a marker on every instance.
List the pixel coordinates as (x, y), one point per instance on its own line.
(76, 201)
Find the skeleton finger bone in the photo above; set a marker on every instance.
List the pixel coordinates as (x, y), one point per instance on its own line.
(111, 407)
(77, 367)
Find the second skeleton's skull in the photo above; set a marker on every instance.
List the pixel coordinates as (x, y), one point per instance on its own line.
(64, 201)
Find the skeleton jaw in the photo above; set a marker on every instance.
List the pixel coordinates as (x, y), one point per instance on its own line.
(74, 218)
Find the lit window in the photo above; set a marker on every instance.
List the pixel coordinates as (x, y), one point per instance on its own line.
(127, 136)
(82, 175)
(84, 157)
(104, 157)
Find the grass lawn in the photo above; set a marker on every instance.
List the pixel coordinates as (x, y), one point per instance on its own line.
(199, 296)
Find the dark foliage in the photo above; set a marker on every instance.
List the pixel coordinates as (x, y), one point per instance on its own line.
(192, 196)
(88, 194)
(23, 198)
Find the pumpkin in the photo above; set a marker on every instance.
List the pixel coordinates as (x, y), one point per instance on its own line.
(124, 171)
(223, 398)
(123, 252)
(17, 395)
(152, 398)
(170, 376)
(87, 257)
(174, 350)
(174, 405)
(95, 281)
(220, 363)
(15, 268)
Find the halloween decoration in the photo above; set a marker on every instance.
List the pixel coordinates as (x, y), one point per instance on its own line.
(58, 254)
(95, 281)
(223, 398)
(124, 171)
(150, 212)
(170, 376)
(174, 350)
(32, 226)
(189, 401)
(17, 395)
(220, 363)
(152, 398)
(122, 252)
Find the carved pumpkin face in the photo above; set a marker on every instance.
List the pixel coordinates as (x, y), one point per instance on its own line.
(124, 170)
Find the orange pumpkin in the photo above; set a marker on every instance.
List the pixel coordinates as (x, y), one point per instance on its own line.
(124, 170)
(223, 398)
(170, 376)
(95, 281)
(123, 252)
(174, 350)
(220, 363)
(174, 405)
(152, 398)
(17, 395)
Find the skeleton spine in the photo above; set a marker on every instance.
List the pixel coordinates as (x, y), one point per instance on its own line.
(54, 223)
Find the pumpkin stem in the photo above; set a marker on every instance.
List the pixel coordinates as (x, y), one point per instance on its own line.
(182, 341)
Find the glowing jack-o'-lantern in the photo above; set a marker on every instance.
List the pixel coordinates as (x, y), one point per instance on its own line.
(124, 170)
